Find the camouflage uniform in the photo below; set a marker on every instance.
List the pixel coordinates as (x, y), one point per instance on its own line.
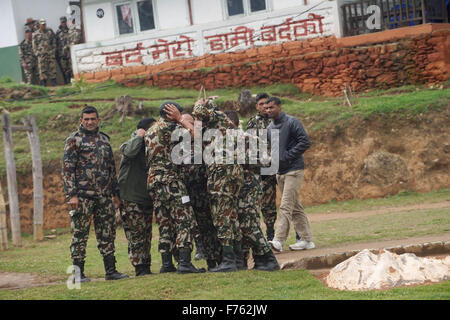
(269, 183)
(63, 52)
(223, 180)
(44, 47)
(27, 56)
(137, 224)
(89, 172)
(166, 187)
(75, 35)
(195, 180)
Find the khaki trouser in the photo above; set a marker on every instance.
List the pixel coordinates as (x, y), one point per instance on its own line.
(291, 208)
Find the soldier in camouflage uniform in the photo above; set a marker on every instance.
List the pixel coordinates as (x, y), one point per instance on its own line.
(63, 50)
(136, 204)
(249, 201)
(196, 183)
(44, 47)
(27, 57)
(90, 185)
(223, 184)
(31, 24)
(75, 36)
(174, 214)
(269, 183)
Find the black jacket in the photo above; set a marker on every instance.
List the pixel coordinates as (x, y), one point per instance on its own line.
(292, 144)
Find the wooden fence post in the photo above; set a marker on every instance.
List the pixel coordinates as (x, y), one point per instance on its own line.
(12, 181)
(38, 192)
(3, 229)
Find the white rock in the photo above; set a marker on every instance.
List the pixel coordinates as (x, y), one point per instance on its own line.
(367, 271)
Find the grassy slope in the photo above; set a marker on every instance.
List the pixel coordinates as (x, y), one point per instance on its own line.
(56, 119)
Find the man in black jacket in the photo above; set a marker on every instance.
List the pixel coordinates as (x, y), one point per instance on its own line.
(293, 142)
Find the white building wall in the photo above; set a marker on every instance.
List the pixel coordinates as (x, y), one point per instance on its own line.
(318, 19)
(97, 29)
(206, 11)
(8, 36)
(171, 14)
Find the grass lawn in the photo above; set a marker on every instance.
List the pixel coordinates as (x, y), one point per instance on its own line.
(50, 258)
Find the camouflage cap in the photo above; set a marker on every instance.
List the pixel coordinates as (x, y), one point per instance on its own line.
(63, 19)
(42, 21)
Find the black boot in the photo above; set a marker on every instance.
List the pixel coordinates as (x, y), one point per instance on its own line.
(239, 256)
(228, 263)
(211, 264)
(185, 265)
(53, 82)
(270, 232)
(110, 268)
(267, 262)
(80, 264)
(42, 83)
(142, 270)
(198, 250)
(167, 264)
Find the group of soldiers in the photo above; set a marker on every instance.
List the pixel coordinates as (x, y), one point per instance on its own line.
(214, 206)
(42, 50)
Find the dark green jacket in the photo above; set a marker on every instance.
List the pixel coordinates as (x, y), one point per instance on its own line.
(133, 171)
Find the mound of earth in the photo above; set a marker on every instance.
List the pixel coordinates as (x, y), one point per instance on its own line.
(368, 271)
(19, 93)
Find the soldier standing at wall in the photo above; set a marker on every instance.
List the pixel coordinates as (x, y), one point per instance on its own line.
(224, 183)
(63, 50)
(27, 57)
(173, 210)
(90, 185)
(31, 24)
(136, 204)
(44, 47)
(75, 35)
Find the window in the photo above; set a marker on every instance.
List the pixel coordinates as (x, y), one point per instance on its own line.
(142, 10)
(243, 7)
(146, 17)
(125, 18)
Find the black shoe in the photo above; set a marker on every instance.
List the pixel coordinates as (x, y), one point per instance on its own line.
(198, 250)
(185, 265)
(167, 264)
(267, 262)
(228, 263)
(239, 256)
(110, 269)
(142, 270)
(80, 264)
(211, 264)
(270, 232)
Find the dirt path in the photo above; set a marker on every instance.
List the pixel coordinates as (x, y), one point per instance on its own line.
(286, 256)
(317, 217)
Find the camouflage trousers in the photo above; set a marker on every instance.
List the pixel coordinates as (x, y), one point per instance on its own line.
(137, 224)
(46, 67)
(206, 232)
(224, 183)
(66, 66)
(30, 72)
(269, 200)
(103, 213)
(175, 219)
(248, 213)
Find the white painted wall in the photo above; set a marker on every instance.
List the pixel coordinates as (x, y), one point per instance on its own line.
(50, 10)
(97, 29)
(206, 11)
(8, 36)
(171, 14)
(281, 4)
